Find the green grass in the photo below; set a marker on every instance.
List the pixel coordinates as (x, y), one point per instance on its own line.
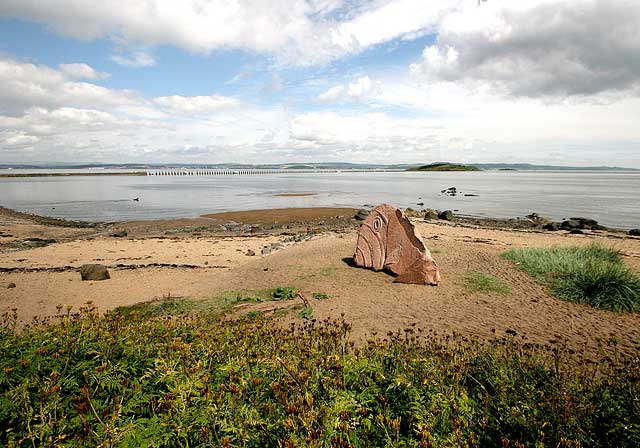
(320, 295)
(592, 274)
(481, 282)
(138, 379)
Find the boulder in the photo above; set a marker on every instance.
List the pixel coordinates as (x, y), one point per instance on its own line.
(581, 224)
(430, 214)
(361, 215)
(552, 226)
(94, 272)
(570, 224)
(447, 215)
(10, 285)
(119, 233)
(388, 240)
(634, 232)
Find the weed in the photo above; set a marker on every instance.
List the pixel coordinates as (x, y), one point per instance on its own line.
(592, 274)
(133, 379)
(253, 315)
(284, 293)
(320, 296)
(307, 312)
(481, 282)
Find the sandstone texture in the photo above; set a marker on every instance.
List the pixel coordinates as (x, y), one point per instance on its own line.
(388, 240)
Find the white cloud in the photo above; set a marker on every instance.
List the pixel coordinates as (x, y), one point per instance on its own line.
(295, 31)
(358, 90)
(82, 71)
(17, 140)
(138, 58)
(539, 48)
(332, 94)
(26, 85)
(196, 104)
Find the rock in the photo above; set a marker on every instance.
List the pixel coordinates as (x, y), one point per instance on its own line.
(94, 272)
(581, 223)
(451, 191)
(119, 233)
(634, 232)
(411, 213)
(10, 285)
(430, 214)
(361, 215)
(447, 215)
(266, 250)
(576, 232)
(552, 226)
(570, 224)
(250, 253)
(420, 204)
(388, 240)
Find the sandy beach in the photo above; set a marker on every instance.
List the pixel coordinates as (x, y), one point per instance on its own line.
(309, 249)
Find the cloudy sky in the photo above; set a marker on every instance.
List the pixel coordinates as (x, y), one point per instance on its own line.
(380, 81)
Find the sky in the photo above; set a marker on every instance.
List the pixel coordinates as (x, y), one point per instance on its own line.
(364, 81)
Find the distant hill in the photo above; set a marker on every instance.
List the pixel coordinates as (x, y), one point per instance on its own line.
(529, 166)
(437, 166)
(444, 166)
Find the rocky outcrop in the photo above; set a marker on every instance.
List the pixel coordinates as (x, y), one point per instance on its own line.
(634, 232)
(388, 240)
(94, 272)
(447, 215)
(578, 223)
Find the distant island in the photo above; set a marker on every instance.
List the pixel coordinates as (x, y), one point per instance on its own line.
(444, 166)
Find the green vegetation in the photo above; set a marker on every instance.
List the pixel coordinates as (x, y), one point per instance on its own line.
(320, 296)
(444, 167)
(592, 274)
(147, 378)
(284, 293)
(307, 312)
(481, 282)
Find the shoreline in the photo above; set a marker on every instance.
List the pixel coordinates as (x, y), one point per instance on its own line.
(300, 215)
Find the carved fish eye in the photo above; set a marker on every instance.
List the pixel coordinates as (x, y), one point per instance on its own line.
(377, 223)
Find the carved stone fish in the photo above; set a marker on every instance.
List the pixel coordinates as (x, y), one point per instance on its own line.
(388, 240)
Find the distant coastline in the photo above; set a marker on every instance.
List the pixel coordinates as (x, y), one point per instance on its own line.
(82, 173)
(301, 166)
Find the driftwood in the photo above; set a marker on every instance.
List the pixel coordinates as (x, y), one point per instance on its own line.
(388, 240)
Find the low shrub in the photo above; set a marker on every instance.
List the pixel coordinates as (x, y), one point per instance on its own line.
(134, 379)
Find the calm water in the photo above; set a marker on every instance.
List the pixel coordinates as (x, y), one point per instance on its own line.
(609, 197)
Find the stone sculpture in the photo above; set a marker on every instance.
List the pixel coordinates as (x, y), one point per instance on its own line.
(388, 240)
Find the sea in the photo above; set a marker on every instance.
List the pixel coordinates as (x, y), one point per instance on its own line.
(610, 197)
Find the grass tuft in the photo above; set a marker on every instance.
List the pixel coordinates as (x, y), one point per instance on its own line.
(592, 274)
(481, 282)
